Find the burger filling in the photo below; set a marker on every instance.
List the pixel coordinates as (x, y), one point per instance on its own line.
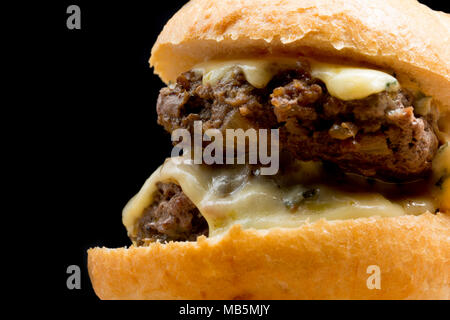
(182, 200)
(381, 136)
(354, 144)
(170, 217)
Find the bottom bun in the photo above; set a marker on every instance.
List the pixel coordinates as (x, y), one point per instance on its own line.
(320, 260)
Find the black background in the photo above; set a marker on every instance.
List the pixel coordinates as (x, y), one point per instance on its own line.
(98, 121)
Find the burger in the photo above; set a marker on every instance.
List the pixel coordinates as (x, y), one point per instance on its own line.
(359, 208)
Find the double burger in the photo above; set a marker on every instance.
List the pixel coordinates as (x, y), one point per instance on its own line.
(359, 91)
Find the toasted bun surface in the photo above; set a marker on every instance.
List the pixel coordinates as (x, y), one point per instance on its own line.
(399, 35)
(321, 260)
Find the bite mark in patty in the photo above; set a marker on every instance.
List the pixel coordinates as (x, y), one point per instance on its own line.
(171, 217)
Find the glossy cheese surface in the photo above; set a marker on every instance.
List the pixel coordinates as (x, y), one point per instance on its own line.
(343, 82)
(228, 195)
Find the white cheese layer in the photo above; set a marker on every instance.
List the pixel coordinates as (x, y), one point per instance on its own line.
(343, 82)
(441, 173)
(227, 196)
(347, 83)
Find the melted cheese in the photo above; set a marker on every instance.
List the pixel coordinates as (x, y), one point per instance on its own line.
(441, 163)
(348, 83)
(257, 72)
(227, 196)
(441, 172)
(343, 82)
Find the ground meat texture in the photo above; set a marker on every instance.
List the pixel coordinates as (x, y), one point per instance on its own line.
(170, 217)
(231, 104)
(379, 136)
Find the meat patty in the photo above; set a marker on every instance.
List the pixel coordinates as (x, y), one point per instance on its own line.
(232, 104)
(379, 136)
(171, 217)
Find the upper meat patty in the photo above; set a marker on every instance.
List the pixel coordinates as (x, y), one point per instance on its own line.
(379, 136)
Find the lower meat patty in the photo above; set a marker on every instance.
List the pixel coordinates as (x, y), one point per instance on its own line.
(171, 217)
(379, 136)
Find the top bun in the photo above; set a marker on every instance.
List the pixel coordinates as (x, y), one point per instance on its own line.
(399, 35)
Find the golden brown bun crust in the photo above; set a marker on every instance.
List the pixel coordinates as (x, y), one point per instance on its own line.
(399, 35)
(322, 260)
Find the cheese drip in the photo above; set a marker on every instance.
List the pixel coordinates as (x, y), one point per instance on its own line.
(441, 173)
(343, 82)
(228, 195)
